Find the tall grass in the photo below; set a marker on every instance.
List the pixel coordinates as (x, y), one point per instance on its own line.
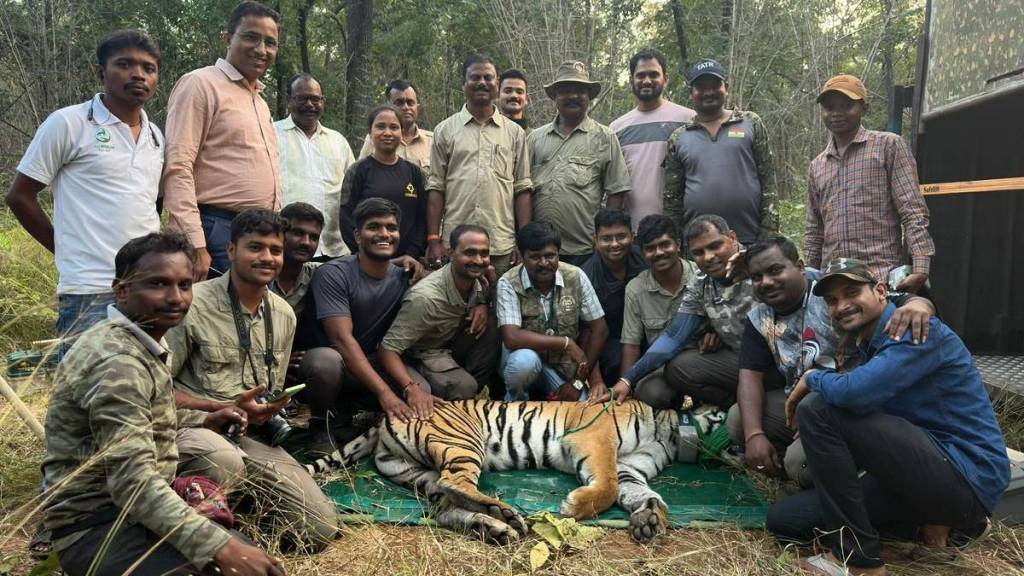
(28, 287)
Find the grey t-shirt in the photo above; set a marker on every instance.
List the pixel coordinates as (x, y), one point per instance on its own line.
(721, 176)
(341, 288)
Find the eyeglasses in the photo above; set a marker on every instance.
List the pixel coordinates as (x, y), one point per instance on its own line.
(257, 38)
(310, 99)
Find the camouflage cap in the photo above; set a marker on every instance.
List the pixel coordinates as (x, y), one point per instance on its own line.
(574, 72)
(846, 268)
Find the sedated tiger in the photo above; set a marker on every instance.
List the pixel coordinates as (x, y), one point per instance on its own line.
(612, 453)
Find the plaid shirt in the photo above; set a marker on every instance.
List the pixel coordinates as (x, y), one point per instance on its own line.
(863, 203)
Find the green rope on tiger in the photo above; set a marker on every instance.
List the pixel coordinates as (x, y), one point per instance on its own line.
(607, 406)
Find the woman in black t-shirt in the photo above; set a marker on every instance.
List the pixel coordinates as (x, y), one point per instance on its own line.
(384, 175)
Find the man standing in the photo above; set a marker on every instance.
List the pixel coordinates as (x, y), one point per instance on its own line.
(102, 160)
(615, 262)
(479, 170)
(644, 131)
(110, 433)
(653, 297)
(442, 336)
(721, 163)
(314, 159)
(237, 340)
(914, 417)
(222, 153)
(353, 301)
(712, 313)
(862, 192)
(513, 97)
(416, 143)
(552, 326)
(577, 164)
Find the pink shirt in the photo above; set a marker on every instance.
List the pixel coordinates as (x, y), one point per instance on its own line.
(221, 148)
(644, 139)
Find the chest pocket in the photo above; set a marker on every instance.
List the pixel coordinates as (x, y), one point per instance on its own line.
(501, 161)
(582, 171)
(654, 324)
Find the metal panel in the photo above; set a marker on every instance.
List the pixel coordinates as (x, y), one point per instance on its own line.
(978, 269)
(975, 47)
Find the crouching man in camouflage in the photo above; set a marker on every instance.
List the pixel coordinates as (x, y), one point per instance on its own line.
(233, 347)
(110, 435)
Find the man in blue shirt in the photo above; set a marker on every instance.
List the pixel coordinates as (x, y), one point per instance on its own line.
(914, 416)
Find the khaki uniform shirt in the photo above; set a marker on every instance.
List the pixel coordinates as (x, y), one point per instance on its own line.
(572, 178)
(110, 432)
(432, 314)
(479, 168)
(221, 148)
(206, 358)
(296, 298)
(650, 307)
(417, 151)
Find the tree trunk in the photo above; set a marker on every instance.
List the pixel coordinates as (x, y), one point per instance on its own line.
(304, 11)
(679, 18)
(887, 49)
(359, 23)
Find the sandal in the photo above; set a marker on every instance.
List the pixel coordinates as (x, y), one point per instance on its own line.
(821, 565)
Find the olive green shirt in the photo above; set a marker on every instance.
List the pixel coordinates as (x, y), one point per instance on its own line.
(207, 360)
(432, 314)
(573, 177)
(480, 168)
(296, 298)
(110, 440)
(650, 307)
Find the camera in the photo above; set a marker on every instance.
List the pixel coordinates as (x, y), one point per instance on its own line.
(273, 432)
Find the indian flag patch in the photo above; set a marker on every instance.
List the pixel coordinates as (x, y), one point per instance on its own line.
(736, 133)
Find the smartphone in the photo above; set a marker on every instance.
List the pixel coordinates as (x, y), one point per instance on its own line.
(274, 397)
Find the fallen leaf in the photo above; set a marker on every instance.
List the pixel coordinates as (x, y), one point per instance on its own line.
(539, 555)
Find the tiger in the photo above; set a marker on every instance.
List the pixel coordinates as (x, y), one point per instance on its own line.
(612, 450)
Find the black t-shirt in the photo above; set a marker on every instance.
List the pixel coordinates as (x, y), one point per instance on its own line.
(610, 292)
(402, 183)
(341, 288)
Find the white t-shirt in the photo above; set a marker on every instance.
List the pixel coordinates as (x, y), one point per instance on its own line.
(105, 186)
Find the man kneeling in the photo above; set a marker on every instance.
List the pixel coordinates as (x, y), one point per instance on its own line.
(110, 429)
(914, 416)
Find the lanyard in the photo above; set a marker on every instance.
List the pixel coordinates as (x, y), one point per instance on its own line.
(245, 336)
(152, 132)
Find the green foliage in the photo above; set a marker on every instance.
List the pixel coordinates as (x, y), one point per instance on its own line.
(27, 288)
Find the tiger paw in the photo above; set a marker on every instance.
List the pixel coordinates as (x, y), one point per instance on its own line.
(509, 516)
(648, 521)
(493, 530)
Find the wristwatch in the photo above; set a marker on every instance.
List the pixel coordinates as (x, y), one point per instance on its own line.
(578, 385)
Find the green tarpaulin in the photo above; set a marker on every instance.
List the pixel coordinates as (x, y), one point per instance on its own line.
(694, 494)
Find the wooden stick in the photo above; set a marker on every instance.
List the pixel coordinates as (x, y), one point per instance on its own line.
(26, 415)
(971, 186)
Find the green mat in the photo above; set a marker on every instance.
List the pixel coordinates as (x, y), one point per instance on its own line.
(694, 495)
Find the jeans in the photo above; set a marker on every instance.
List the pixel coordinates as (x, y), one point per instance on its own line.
(76, 313)
(523, 373)
(908, 482)
(217, 229)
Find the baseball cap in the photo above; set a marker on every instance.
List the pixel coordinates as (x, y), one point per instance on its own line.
(850, 268)
(845, 84)
(704, 67)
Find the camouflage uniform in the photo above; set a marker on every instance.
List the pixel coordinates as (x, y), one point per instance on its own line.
(675, 172)
(725, 306)
(207, 362)
(110, 444)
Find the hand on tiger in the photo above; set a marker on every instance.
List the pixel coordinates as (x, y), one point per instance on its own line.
(395, 408)
(422, 403)
(622, 391)
(598, 393)
(567, 393)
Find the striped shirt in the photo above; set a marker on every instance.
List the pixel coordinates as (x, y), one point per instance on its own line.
(863, 203)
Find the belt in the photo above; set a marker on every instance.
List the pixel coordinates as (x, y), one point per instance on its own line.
(217, 212)
(101, 516)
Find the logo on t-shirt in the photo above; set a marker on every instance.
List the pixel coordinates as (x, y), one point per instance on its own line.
(736, 133)
(102, 135)
(410, 190)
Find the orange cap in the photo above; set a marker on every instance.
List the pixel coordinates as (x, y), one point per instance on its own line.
(846, 84)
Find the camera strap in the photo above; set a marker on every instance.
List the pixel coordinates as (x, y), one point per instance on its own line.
(245, 336)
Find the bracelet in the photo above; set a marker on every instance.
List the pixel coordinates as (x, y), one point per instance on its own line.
(566, 345)
(754, 435)
(433, 237)
(628, 383)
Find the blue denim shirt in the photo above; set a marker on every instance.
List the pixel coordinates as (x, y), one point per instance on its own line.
(935, 386)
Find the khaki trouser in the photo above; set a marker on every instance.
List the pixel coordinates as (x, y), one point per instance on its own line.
(287, 499)
(461, 374)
